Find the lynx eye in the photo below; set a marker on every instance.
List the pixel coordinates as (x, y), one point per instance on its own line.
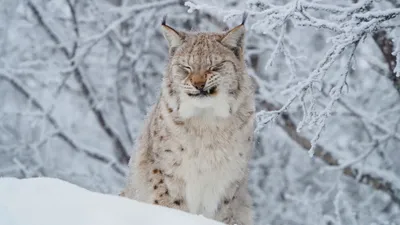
(186, 68)
(217, 67)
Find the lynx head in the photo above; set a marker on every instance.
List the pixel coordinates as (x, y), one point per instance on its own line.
(206, 71)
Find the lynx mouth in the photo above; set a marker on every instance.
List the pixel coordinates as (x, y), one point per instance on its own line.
(204, 93)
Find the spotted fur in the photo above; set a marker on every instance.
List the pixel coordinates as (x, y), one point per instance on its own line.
(194, 149)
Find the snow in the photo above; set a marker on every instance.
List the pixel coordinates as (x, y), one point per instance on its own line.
(50, 201)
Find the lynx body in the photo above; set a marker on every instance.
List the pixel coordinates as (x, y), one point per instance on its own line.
(194, 149)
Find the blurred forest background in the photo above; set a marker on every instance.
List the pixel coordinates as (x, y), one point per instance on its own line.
(77, 78)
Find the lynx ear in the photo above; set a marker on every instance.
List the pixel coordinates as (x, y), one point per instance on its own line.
(234, 38)
(174, 38)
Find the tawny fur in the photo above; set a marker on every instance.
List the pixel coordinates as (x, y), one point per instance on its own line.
(193, 152)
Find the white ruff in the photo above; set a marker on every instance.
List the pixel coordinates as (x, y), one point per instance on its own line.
(213, 106)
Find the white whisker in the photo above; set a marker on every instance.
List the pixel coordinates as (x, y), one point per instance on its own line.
(213, 81)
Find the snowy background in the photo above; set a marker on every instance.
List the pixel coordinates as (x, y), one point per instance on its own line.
(77, 78)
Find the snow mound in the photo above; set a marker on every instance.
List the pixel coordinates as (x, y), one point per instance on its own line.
(48, 201)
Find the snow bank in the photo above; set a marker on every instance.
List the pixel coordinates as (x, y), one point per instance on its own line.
(48, 201)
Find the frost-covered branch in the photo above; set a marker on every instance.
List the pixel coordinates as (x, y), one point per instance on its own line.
(64, 135)
(120, 149)
(392, 188)
(386, 46)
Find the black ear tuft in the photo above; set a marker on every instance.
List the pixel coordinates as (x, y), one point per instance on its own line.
(175, 38)
(245, 14)
(164, 20)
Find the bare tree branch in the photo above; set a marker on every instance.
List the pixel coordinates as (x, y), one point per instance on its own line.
(385, 44)
(120, 150)
(59, 132)
(373, 181)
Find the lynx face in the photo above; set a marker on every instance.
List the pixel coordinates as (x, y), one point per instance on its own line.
(206, 70)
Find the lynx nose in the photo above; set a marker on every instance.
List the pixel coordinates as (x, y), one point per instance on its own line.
(199, 86)
(198, 81)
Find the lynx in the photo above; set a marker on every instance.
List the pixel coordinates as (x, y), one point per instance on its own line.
(193, 152)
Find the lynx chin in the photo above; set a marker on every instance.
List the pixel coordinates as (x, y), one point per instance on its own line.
(193, 152)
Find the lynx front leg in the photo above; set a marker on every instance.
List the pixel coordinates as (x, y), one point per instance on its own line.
(236, 209)
(237, 212)
(165, 192)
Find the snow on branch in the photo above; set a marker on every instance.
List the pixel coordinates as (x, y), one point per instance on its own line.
(383, 181)
(59, 131)
(350, 24)
(121, 149)
(391, 55)
(127, 13)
